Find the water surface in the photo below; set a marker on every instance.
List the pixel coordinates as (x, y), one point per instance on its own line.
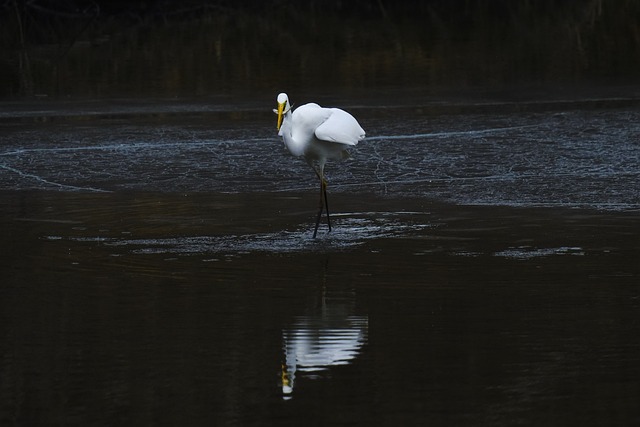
(482, 269)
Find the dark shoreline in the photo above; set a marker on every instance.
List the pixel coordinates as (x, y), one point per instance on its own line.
(231, 48)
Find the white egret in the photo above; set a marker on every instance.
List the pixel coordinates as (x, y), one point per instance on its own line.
(318, 134)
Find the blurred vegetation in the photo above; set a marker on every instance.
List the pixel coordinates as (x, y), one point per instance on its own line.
(92, 48)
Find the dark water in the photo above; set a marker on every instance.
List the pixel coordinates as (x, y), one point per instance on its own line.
(158, 269)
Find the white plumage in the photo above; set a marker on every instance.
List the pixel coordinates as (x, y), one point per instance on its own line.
(318, 134)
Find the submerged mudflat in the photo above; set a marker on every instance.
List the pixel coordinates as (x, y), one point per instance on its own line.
(480, 153)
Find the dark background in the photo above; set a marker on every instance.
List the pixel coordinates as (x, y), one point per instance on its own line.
(187, 48)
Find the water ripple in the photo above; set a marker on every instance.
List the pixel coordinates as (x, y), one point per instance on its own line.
(569, 159)
(349, 230)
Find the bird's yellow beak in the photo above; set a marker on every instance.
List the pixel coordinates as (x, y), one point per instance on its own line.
(280, 112)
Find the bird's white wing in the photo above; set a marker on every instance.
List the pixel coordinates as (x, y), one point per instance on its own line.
(305, 119)
(340, 127)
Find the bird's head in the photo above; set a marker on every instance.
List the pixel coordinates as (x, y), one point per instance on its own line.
(283, 108)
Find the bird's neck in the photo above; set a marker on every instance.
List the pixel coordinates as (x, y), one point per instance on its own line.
(285, 129)
(295, 147)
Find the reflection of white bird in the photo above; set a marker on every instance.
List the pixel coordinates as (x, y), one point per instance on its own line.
(318, 134)
(315, 343)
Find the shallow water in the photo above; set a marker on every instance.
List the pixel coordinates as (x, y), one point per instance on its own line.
(482, 268)
(578, 158)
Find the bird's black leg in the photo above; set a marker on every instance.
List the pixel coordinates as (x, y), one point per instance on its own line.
(326, 201)
(322, 192)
